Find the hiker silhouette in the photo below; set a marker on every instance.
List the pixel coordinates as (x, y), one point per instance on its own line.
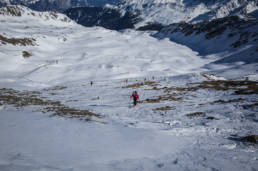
(135, 97)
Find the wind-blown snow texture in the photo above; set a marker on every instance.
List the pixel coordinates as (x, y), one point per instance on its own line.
(202, 129)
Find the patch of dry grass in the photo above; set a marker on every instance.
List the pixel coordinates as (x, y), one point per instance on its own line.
(180, 89)
(252, 88)
(55, 88)
(17, 41)
(145, 83)
(165, 97)
(251, 139)
(26, 54)
(166, 108)
(228, 101)
(240, 87)
(195, 114)
(27, 98)
(211, 118)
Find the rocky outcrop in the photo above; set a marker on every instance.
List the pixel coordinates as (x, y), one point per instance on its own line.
(109, 18)
(219, 35)
(20, 11)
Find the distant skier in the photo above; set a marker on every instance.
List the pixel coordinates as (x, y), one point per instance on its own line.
(135, 97)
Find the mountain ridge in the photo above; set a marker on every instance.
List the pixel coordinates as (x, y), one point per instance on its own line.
(56, 5)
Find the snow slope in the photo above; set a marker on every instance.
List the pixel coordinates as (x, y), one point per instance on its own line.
(233, 35)
(202, 129)
(95, 53)
(174, 11)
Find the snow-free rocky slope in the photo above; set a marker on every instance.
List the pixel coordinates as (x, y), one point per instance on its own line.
(52, 119)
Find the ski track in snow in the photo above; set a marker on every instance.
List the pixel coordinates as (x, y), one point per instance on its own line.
(131, 139)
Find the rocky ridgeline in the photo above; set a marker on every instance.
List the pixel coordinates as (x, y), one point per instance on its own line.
(245, 30)
(218, 35)
(110, 18)
(19, 11)
(171, 11)
(56, 5)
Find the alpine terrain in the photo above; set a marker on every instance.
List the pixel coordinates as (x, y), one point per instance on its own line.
(59, 5)
(66, 89)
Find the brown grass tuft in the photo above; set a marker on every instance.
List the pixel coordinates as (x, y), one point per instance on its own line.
(22, 99)
(17, 41)
(250, 139)
(211, 118)
(163, 108)
(165, 97)
(228, 101)
(56, 88)
(240, 87)
(196, 114)
(26, 54)
(146, 83)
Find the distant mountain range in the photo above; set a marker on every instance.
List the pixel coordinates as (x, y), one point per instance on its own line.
(57, 5)
(110, 18)
(174, 11)
(154, 14)
(164, 12)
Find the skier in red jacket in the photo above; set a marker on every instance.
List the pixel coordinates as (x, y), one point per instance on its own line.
(135, 97)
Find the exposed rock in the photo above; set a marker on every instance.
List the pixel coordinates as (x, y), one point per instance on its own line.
(102, 16)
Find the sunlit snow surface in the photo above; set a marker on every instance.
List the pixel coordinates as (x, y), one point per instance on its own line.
(138, 138)
(69, 52)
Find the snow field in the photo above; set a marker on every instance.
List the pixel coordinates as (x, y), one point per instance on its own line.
(140, 138)
(130, 138)
(95, 54)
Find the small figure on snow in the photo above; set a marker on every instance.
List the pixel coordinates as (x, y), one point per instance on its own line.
(135, 97)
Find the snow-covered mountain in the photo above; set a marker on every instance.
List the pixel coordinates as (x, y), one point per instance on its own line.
(153, 14)
(233, 34)
(65, 96)
(59, 5)
(148, 12)
(25, 13)
(107, 17)
(41, 5)
(174, 11)
(53, 35)
(208, 27)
